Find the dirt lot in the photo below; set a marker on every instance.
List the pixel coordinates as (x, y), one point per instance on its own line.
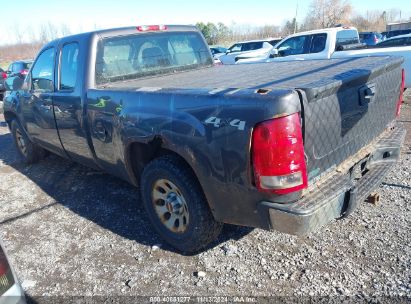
(70, 230)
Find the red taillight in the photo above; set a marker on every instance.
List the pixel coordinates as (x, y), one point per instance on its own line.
(4, 75)
(6, 276)
(24, 72)
(146, 28)
(278, 155)
(400, 99)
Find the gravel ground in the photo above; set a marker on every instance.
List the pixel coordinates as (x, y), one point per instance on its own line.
(65, 237)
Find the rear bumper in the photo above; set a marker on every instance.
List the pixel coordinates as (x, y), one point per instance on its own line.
(15, 295)
(339, 195)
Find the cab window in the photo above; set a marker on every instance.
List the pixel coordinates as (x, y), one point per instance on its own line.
(42, 74)
(68, 66)
(251, 46)
(293, 46)
(318, 43)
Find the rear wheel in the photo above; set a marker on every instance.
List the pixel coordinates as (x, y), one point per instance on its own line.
(29, 151)
(177, 206)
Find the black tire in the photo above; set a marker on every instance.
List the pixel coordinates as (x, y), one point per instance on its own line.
(200, 229)
(30, 153)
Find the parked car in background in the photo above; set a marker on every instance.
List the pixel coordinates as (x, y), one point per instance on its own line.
(217, 50)
(396, 33)
(19, 68)
(330, 43)
(248, 49)
(370, 38)
(3, 76)
(316, 44)
(402, 40)
(10, 290)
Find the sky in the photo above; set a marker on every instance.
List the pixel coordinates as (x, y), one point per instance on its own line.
(86, 15)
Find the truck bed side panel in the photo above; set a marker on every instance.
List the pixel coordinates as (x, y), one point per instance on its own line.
(210, 130)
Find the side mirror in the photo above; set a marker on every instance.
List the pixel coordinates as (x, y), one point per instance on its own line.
(274, 53)
(13, 83)
(227, 52)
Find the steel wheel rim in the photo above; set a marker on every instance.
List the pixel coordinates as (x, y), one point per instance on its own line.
(170, 206)
(21, 143)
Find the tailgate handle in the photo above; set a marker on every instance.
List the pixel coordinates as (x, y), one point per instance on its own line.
(367, 93)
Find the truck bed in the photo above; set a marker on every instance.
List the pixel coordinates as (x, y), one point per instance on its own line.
(312, 76)
(339, 120)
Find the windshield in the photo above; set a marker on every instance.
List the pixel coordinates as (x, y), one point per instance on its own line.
(136, 56)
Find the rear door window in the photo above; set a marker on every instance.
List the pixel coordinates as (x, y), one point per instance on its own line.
(251, 46)
(318, 43)
(69, 66)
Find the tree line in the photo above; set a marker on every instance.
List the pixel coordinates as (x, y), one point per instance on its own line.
(320, 14)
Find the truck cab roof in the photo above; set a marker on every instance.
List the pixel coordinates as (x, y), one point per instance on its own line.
(121, 31)
(325, 30)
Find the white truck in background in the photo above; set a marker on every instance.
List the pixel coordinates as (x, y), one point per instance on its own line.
(249, 49)
(337, 42)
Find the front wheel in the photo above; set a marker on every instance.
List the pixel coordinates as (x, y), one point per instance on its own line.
(29, 151)
(176, 205)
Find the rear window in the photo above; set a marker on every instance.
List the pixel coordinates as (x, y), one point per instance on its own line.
(346, 37)
(136, 56)
(27, 65)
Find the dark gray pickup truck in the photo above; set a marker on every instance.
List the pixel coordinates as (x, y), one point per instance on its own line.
(287, 146)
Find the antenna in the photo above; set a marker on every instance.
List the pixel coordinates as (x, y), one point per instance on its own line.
(295, 18)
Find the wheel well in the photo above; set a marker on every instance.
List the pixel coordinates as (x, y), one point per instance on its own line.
(140, 154)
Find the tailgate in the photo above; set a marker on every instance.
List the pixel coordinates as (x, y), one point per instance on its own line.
(341, 118)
